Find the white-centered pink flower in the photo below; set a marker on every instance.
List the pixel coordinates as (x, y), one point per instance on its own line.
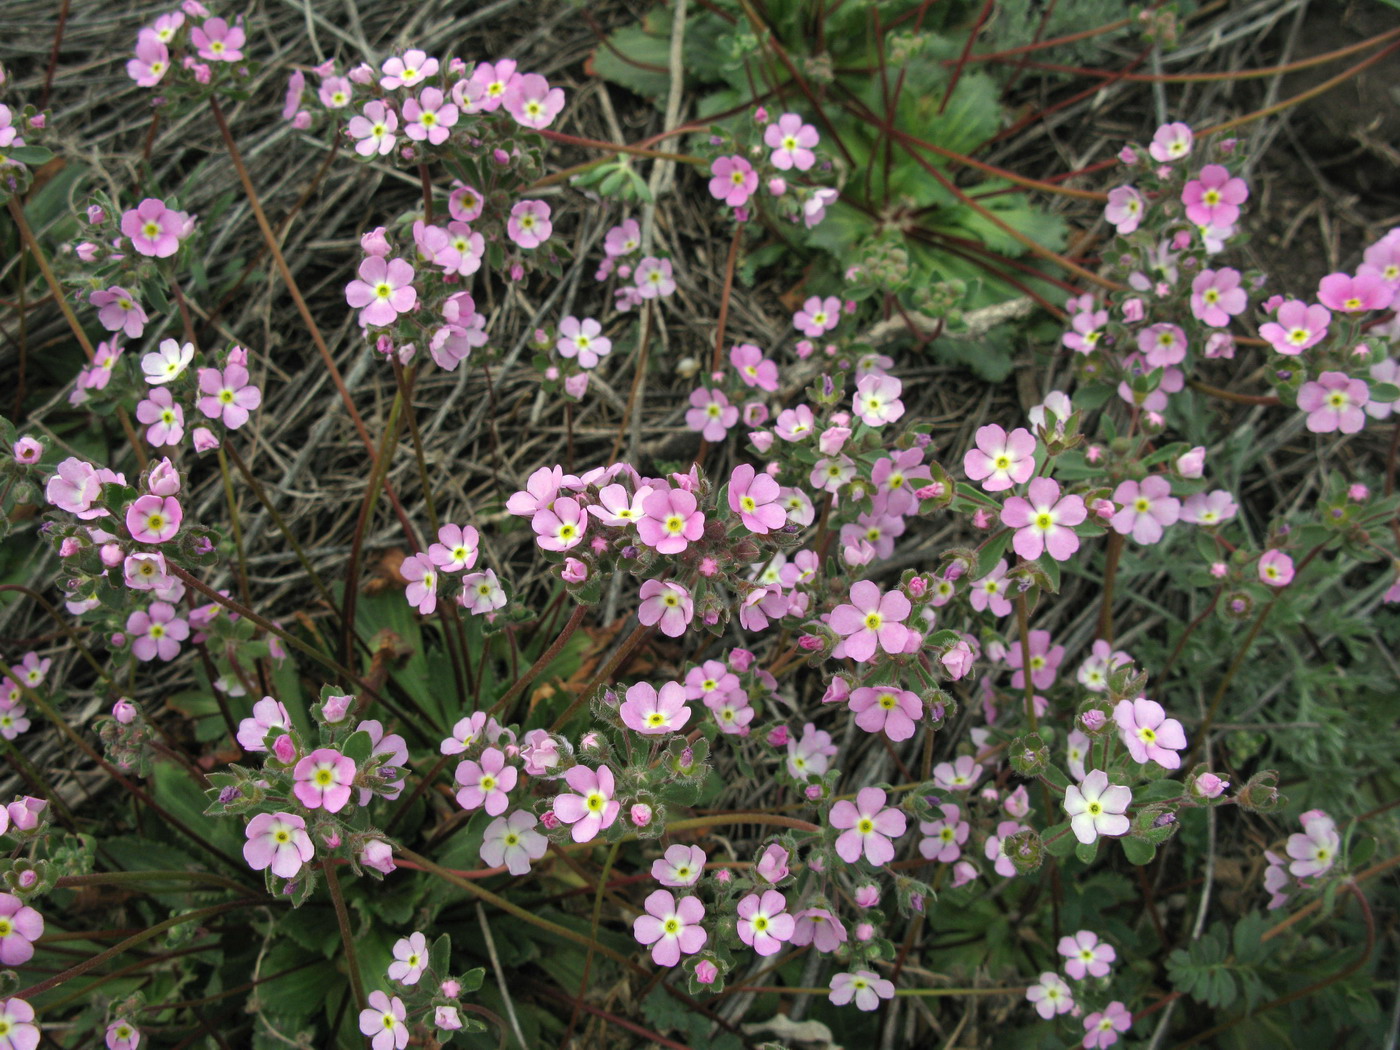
(278, 841)
(672, 928)
(384, 290)
(1097, 808)
(867, 826)
(591, 808)
(1001, 460)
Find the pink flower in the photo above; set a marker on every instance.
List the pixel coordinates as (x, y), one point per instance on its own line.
(887, 708)
(1087, 955)
(561, 525)
(764, 924)
(268, 714)
(818, 316)
(679, 866)
(154, 519)
(1276, 569)
(165, 418)
(152, 60)
(583, 339)
(990, 591)
(1044, 660)
(791, 142)
(1095, 808)
(217, 41)
(481, 593)
(429, 118)
(1050, 995)
(154, 229)
(1147, 507)
(374, 127)
(532, 102)
(20, 925)
(1171, 142)
(384, 290)
(1208, 509)
(1317, 848)
(1297, 326)
(1102, 1027)
(1148, 734)
(323, 780)
(864, 986)
(671, 521)
(278, 841)
(383, 1020)
(943, 839)
(1001, 460)
(710, 413)
(413, 67)
(514, 842)
(1334, 402)
(1124, 209)
(456, 548)
(667, 605)
(410, 959)
(1354, 295)
(733, 180)
(422, 578)
(754, 497)
(868, 827)
(1162, 345)
(876, 400)
(754, 369)
(1044, 521)
(871, 620)
(118, 311)
(672, 928)
(959, 775)
(122, 1035)
(486, 783)
(653, 278)
(1086, 329)
(1215, 197)
(228, 395)
(651, 712)
(592, 808)
(529, 224)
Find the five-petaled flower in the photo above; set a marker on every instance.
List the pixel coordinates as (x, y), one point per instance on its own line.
(1097, 808)
(867, 826)
(671, 927)
(278, 841)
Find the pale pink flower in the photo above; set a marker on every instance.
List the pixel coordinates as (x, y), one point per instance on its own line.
(1097, 808)
(1102, 1027)
(944, 838)
(764, 923)
(866, 987)
(877, 401)
(268, 714)
(336, 92)
(814, 207)
(529, 224)
(532, 102)
(1050, 995)
(279, 841)
(1086, 955)
(1214, 198)
(560, 526)
(959, 775)
(1044, 521)
(165, 418)
(157, 632)
(754, 497)
(1086, 329)
(679, 866)
(1162, 345)
(374, 129)
(818, 316)
(672, 928)
(1125, 209)
(671, 521)
(1317, 848)
(486, 783)
(152, 60)
(410, 68)
(118, 311)
(653, 278)
(429, 118)
(481, 593)
(122, 1035)
(1334, 402)
(1276, 568)
(990, 591)
(384, 1019)
(733, 180)
(486, 89)
(887, 709)
(583, 339)
(1147, 508)
(20, 926)
(154, 229)
(710, 413)
(792, 142)
(1211, 508)
(1296, 327)
(1045, 660)
(456, 549)
(410, 959)
(667, 605)
(653, 712)
(754, 369)
(867, 826)
(870, 621)
(514, 842)
(383, 291)
(592, 807)
(1354, 295)
(20, 1031)
(1001, 460)
(1171, 142)
(1216, 296)
(228, 395)
(217, 41)
(323, 780)
(1148, 734)
(154, 519)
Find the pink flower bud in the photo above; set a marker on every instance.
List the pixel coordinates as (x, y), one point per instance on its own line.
(776, 186)
(335, 708)
(124, 711)
(28, 878)
(284, 749)
(204, 440)
(1093, 453)
(1218, 569)
(1018, 803)
(69, 547)
(331, 839)
(708, 566)
(760, 115)
(1358, 492)
(641, 815)
(590, 742)
(864, 931)
(1134, 310)
(576, 385)
(375, 243)
(723, 875)
(1104, 509)
(574, 571)
(740, 660)
(112, 555)
(773, 865)
(706, 972)
(549, 819)
(813, 792)
(833, 439)
(1093, 720)
(1127, 155)
(450, 988)
(762, 441)
(361, 74)
(963, 873)
(26, 811)
(778, 736)
(118, 640)
(1208, 785)
(86, 251)
(164, 479)
(958, 660)
(1192, 464)
(378, 855)
(918, 587)
(867, 896)
(446, 1018)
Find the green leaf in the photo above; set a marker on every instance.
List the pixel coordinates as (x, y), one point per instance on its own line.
(357, 747)
(1138, 851)
(992, 553)
(628, 55)
(1087, 851)
(31, 155)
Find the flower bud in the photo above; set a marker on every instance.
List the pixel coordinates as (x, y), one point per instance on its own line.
(1192, 464)
(773, 865)
(446, 1018)
(867, 896)
(706, 972)
(641, 815)
(1208, 785)
(1029, 755)
(284, 749)
(1025, 850)
(124, 711)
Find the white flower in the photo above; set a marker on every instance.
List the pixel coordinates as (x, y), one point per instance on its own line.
(168, 362)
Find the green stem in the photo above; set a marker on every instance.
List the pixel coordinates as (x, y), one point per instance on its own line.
(1110, 575)
(347, 937)
(543, 660)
